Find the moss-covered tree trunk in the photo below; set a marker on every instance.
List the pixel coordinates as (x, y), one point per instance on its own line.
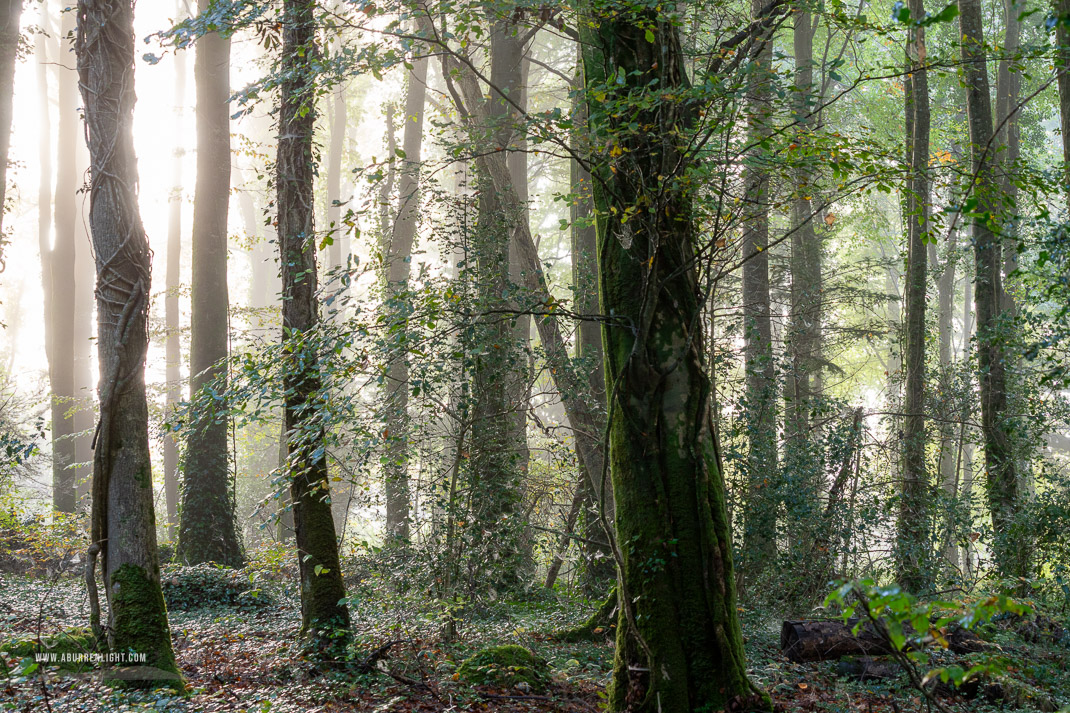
(324, 615)
(679, 645)
(123, 522)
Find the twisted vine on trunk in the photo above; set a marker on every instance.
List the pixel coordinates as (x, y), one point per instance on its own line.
(123, 521)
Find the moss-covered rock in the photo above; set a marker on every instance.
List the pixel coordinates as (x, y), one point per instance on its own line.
(206, 585)
(70, 649)
(505, 666)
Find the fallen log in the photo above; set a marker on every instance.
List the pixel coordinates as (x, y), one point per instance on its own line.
(827, 639)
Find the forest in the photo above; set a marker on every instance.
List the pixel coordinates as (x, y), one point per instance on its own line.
(492, 355)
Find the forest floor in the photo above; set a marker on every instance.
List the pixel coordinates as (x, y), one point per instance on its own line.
(241, 657)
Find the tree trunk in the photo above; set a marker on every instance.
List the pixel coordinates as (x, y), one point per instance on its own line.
(334, 175)
(825, 640)
(1012, 559)
(804, 329)
(399, 267)
(679, 644)
(172, 325)
(208, 531)
(9, 42)
(599, 567)
(520, 383)
(1062, 39)
(123, 521)
(762, 499)
(580, 408)
(324, 614)
(949, 444)
(75, 220)
(72, 226)
(1008, 141)
(57, 273)
(495, 476)
(912, 538)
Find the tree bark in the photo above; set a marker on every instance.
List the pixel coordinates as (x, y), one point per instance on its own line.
(913, 527)
(208, 531)
(1011, 557)
(399, 268)
(679, 644)
(9, 42)
(324, 614)
(123, 521)
(762, 499)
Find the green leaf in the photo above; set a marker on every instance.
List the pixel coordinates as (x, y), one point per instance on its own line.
(650, 36)
(948, 14)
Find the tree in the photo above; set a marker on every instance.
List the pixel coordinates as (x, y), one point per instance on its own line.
(9, 43)
(762, 503)
(324, 614)
(679, 645)
(1062, 41)
(912, 539)
(172, 325)
(1000, 467)
(495, 468)
(71, 226)
(599, 565)
(57, 276)
(208, 531)
(123, 521)
(399, 268)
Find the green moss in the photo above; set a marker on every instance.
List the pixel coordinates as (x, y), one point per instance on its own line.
(144, 476)
(64, 647)
(139, 621)
(505, 666)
